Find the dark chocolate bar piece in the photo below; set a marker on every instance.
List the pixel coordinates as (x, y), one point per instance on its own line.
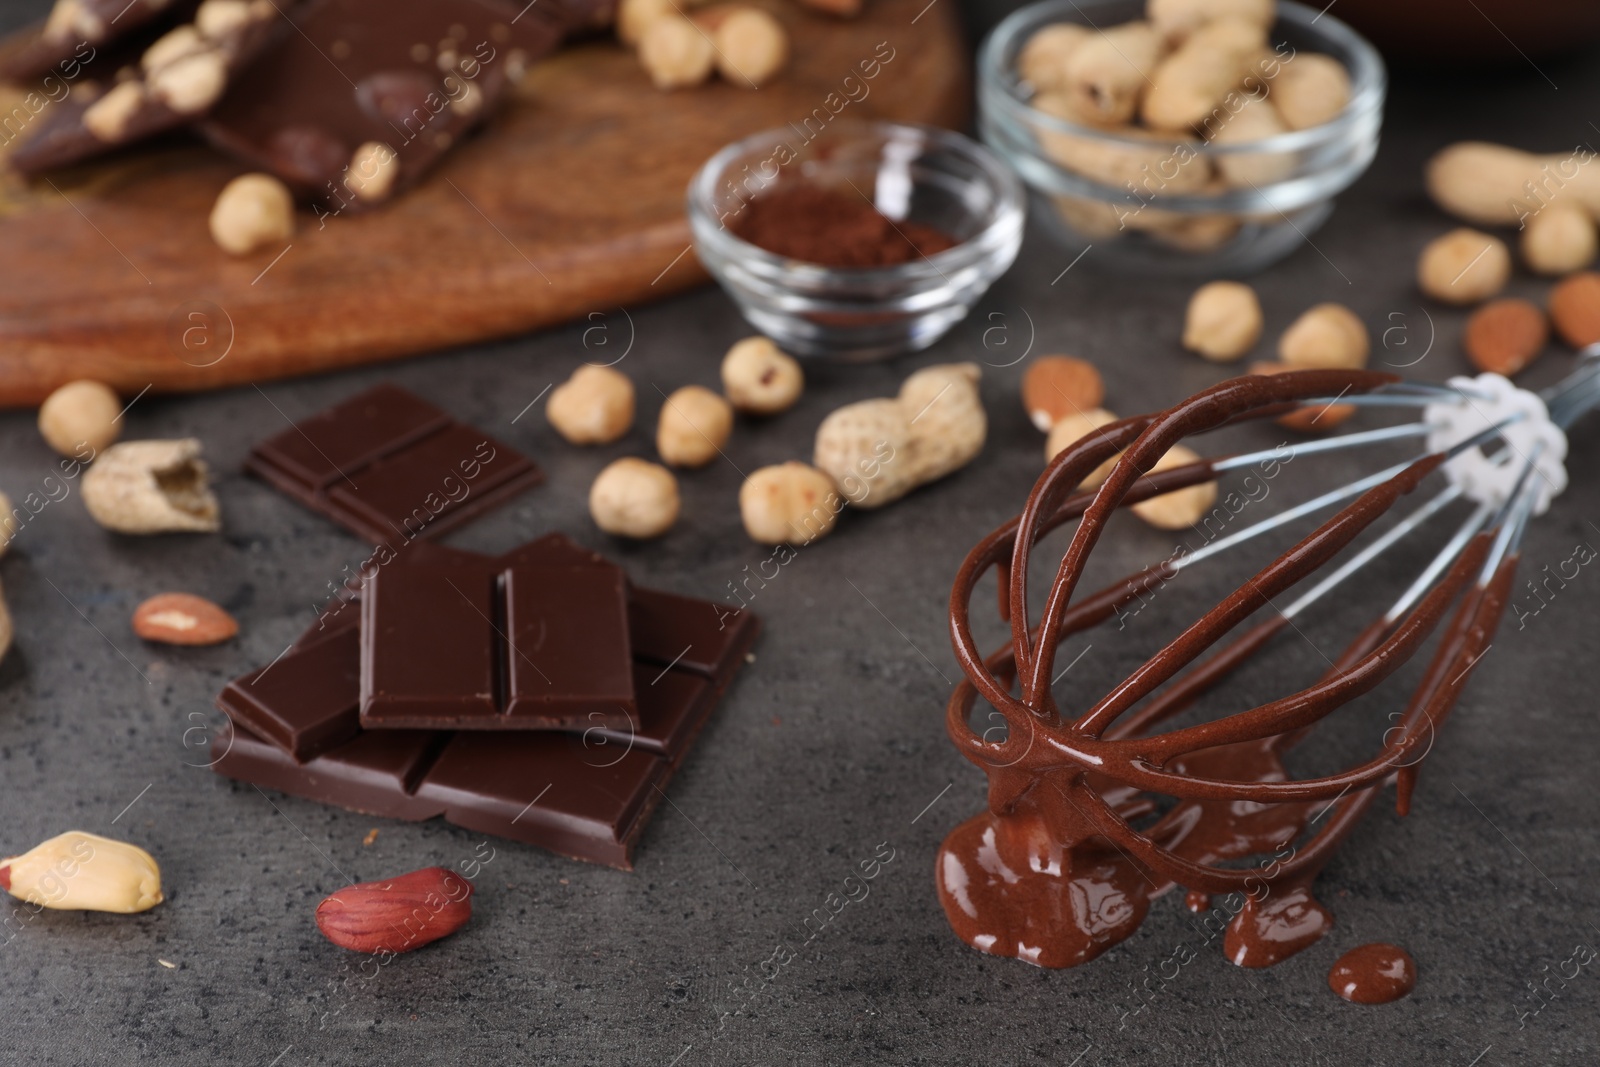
(568, 653)
(306, 701)
(392, 467)
(178, 77)
(376, 772)
(411, 76)
(537, 788)
(429, 645)
(686, 632)
(77, 32)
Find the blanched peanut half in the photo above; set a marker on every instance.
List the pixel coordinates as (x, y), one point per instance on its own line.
(634, 498)
(1074, 428)
(1223, 321)
(1326, 336)
(1310, 89)
(1152, 163)
(1176, 19)
(1106, 74)
(695, 424)
(789, 503)
(1464, 267)
(1558, 240)
(1181, 508)
(1043, 60)
(1188, 84)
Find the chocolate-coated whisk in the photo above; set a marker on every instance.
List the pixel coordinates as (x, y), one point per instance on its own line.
(1055, 871)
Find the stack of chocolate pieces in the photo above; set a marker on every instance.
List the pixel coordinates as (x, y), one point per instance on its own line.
(536, 696)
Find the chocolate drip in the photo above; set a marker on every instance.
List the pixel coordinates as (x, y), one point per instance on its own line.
(1054, 871)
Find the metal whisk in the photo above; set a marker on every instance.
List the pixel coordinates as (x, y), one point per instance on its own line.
(1056, 870)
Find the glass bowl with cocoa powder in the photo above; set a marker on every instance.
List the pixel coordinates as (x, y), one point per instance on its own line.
(1153, 145)
(857, 241)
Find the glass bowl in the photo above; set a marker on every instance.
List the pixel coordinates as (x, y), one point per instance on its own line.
(920, 173)
(1115, 190)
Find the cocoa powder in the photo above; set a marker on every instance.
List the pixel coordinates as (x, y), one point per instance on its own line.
(833, 229)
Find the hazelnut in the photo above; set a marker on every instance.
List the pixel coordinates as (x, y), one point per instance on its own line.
(1223, 321)
(1073, 428)
(635, 16)
(1057, 386)
(1315, 418)
(252, 211)
(1464, 267)
(1504, 336)
(192, 83)
(790, 502)
(694, 425)
(593, 407)
(634, 498)
(1326, 336)
(79, 414)
(1181, 508)
(1559, 240)
(676, 53)
(108, 117)
(751, 46)
(759, 379)
(373, 170)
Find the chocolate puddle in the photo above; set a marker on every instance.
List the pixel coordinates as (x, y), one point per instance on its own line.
(1054, 872)
(1373, 974)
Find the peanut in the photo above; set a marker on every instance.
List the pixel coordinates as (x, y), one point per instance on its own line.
(8, 526)
(1176, 19)
(397, 914)
(373, 170)
(758, 379)
(1325, 336)
(1189, 83)
(1055, 387)
(1043, 60)
(750, 45)
(1255, 120)
(1169, 160)
(676, 53)
(1464, 267)
(1575, 309)
(183, 619)
(176, 43)
(1309, 90)
(1074, 428)
(1559, 240)
(788, 503)
(634, 498)
(1314, 418)
(1106, 74)
(635, 16)
(144, 487)
(1223, 321)
(1492, 185)
(866, 448)
(593, 407)
(945, 416)
(107, 118)
(251, 212)
(1181, 508)
(191, 84)
(694, 425)
(76, 871)
(78, 415)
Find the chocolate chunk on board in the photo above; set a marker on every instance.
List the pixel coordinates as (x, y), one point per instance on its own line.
(391, 467)
(412, 76)
(175, 79)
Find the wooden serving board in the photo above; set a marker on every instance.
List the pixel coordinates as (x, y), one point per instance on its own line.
(572, 201)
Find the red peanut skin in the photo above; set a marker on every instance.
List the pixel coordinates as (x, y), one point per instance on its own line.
(398, 914)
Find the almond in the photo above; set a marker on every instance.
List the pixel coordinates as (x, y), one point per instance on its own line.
(1057, 386)
(398, 914)
(1505, 336)
(183, 619)
(1318, 418)
(1575, 309)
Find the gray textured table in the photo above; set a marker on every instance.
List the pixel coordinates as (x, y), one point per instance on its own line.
(830, 745)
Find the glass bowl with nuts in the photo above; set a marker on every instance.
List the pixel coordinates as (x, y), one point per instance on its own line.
(859, 240)
(1181, 136)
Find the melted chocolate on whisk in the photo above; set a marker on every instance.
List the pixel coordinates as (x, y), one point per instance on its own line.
(1054, 871)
